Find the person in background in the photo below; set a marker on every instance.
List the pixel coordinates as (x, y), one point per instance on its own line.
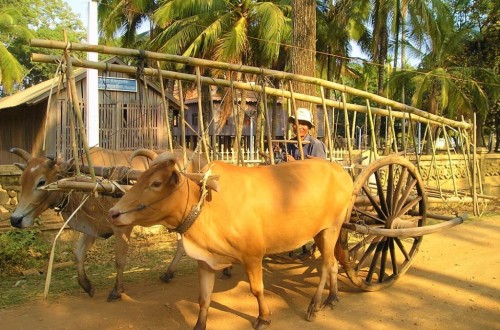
(311, 146)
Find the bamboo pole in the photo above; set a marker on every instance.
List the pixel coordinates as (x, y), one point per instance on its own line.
(294, 109)
(215, 148)
(372, 130)
(474, 168)
(200, 115)
(165, 107)
(449, 158)
(425, 116)
(236, 119)
(145, 107)
(72, 130)
(327, 123)
(268, 123)
(76, 108)
(393, 130)
(183, 121)
(346, 123)
(411, 129)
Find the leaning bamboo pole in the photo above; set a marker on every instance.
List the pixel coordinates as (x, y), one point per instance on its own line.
(76, 108)
(246, 69)
(327, 124)
(183, 122)
(200, 116)
(267, 122)
(165, 108)
(296, 119)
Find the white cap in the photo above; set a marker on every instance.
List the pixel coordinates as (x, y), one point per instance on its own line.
(303, 114)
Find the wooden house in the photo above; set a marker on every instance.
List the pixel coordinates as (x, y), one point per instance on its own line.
(222, 130)
(131, 115)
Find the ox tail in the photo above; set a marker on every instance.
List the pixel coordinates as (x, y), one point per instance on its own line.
(342, 253)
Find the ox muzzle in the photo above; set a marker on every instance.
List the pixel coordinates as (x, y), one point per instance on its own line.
(17, 220)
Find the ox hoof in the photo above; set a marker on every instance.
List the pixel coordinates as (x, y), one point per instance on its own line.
(260, 323)
(114, 296)
(329, 301)
(311, 312)
(166, 277)
(87, 287)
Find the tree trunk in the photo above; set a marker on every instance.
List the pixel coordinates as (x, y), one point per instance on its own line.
(303, 53)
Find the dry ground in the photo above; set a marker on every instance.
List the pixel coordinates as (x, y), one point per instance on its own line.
(454, 283)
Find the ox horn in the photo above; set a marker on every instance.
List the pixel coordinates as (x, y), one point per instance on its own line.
(50, 161)
(21, 153)
(145, 153)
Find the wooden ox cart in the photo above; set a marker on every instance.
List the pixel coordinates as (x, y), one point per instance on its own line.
(389, 208)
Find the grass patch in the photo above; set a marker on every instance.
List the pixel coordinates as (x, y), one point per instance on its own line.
(149, 255)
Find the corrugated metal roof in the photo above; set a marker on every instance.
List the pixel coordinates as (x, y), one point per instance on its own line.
(39, 92)
(35, 94)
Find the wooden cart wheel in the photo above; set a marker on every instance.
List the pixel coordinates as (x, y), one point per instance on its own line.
(388, 193)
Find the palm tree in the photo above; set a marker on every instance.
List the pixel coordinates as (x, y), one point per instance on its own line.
(337, 24)
(443, 84)
(121, 20)
(11, 71)
(235, 31)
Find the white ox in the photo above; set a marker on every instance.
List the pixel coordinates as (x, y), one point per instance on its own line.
(253, 212)
(91, 220)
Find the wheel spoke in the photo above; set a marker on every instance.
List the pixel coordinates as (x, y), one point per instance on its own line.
(374, 203)
(369, 215)
(381, 197)
(409, 187)
(402, 248)
(383, 260)
(390, 189)
(369, 251)
(374, 262)
(395, 268)
(410, 205)
(402, 178)
(360, 244)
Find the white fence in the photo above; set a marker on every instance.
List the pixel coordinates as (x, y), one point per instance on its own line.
(254, 158)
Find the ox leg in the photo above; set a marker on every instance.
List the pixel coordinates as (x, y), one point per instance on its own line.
(254, 273)
(169, 274)
(325, 241)
(85, 242)
(207, 280)
(122, 237)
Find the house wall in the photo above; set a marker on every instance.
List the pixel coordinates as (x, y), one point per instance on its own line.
(21, 128)
(128, 120)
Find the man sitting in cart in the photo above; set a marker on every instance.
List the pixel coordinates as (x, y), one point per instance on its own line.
(311, 147)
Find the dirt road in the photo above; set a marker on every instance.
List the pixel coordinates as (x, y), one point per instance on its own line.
(454, 283)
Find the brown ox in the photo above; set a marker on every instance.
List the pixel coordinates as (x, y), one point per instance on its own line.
(255, 211)
(91, 220)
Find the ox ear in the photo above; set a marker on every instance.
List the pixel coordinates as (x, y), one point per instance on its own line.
(212, 181)
(175, 178)
(20, 166)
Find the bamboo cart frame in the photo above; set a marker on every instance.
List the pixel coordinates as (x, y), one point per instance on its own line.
(388, 217)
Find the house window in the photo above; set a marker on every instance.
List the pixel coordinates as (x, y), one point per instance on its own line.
(194, 120)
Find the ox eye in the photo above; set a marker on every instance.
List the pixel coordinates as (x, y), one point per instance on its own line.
(156, 184)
